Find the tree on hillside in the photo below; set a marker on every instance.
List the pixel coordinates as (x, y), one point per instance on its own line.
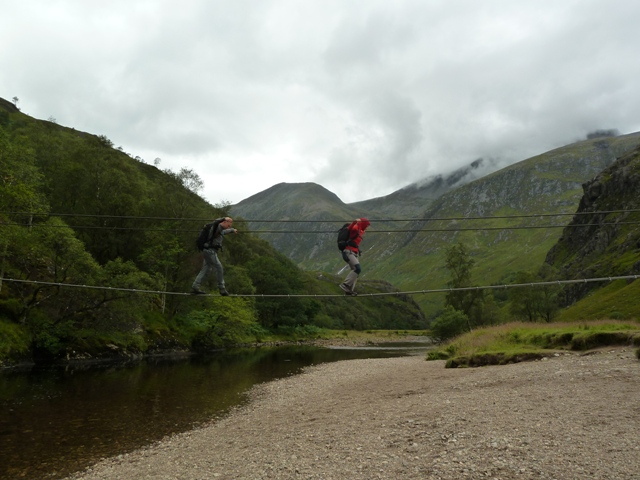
(188, 178)
(104, 140)
(20, 191)
(165, 258)
(20, 180)
(278, 275)
(49, 253)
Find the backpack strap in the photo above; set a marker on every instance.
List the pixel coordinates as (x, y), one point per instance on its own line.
(212, 234)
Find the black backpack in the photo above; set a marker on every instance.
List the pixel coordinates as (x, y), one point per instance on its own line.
(343, 237)
(206, 234)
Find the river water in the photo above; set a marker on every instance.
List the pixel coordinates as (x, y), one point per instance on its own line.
(58, 420)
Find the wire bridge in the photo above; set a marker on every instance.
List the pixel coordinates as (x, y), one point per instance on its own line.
(378, 294)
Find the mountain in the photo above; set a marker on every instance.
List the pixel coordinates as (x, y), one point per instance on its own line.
(276, 209)
(302, 211)
(410, 254)
(286, 201)
(414, 198)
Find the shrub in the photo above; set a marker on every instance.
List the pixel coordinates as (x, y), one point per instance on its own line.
(14, 341)
(437, 355)
(448, 325)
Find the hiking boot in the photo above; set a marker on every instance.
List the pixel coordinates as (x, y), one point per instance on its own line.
(197, 291)
(223, 292)
(347, 290)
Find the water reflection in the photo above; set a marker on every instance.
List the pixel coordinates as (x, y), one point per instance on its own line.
(54, 421)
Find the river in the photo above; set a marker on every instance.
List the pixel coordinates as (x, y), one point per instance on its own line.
(61, 419)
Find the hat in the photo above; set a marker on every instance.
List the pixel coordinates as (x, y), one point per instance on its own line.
(364, 223)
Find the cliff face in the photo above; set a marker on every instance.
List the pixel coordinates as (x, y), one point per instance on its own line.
(598, 242)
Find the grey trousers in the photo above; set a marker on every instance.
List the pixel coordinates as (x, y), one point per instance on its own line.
(210, 262)
(352, 259)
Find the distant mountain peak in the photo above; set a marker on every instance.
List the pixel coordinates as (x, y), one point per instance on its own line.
(458, 177)
(293, 191)
(416, 197)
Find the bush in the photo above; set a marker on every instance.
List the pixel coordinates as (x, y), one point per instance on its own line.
(448, 325)
(227, 322)
(14, 341)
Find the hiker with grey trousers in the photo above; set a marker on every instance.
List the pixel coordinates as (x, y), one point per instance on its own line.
(211, 260)
(351, 253)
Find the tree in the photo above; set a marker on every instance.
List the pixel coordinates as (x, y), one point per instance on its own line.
(20, 191)
(524, 299)
(20, 179)
(47, 252)
(491, 314)
(459, 262)
(189, 179)
(277, 275)
(548, 304)
(105, 141)
(165, 257)
(535, 301)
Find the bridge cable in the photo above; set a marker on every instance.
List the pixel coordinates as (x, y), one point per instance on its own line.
(379, 294)
(133, 217)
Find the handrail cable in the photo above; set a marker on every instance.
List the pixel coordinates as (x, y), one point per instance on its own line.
(133, 217)
(316, 232)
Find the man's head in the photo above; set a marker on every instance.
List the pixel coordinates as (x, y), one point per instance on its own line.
(227, 222)
(363, 223)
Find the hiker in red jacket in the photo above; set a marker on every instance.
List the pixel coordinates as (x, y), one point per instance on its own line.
(351, 253)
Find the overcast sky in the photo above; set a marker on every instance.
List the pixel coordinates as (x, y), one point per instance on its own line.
(361, 96)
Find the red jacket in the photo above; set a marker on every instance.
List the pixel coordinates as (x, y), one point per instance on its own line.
(356, 230)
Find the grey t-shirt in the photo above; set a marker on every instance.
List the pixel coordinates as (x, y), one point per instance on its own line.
(216, 241)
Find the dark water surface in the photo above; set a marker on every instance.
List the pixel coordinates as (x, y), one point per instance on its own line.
(58, 420)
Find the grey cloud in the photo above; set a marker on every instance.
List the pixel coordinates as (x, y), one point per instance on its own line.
(386, 93)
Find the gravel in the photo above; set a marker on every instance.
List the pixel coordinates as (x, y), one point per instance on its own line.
(570, 416)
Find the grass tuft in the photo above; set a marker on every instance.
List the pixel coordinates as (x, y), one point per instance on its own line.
(518, 341)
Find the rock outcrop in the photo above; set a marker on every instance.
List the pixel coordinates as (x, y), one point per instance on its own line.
(603, 239)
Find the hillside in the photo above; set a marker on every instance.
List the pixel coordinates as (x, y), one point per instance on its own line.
(76, 211)
(546, 184)
(598, 244)
(410, 254)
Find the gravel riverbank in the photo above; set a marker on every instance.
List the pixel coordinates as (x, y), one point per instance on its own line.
(573, 416)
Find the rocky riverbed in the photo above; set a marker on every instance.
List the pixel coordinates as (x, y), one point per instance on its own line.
(570, 416)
